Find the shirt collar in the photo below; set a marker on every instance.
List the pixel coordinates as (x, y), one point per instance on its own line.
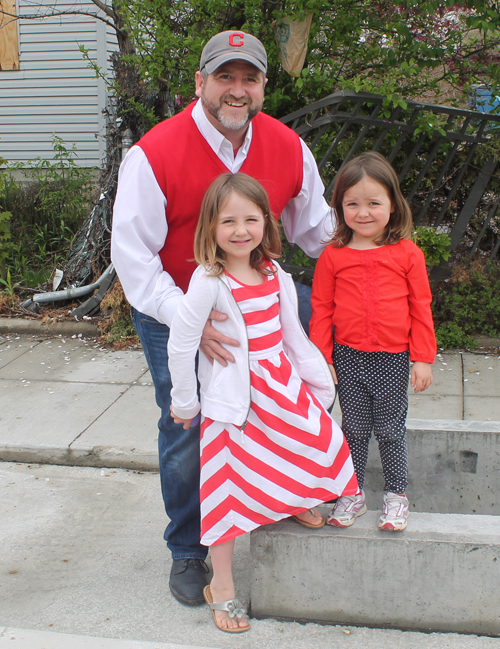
(214, 138)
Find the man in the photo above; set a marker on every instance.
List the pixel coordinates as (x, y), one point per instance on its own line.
(161, 184)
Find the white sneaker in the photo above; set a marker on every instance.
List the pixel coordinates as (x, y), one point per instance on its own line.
(395, 512)
(346, 510)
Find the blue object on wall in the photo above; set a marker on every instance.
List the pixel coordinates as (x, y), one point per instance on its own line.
(482, 101)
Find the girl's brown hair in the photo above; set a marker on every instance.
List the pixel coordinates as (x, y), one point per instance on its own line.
(375, 166)
(206, 251)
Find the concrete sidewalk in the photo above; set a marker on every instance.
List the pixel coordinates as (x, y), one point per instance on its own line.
(82, 547)
(66, 400)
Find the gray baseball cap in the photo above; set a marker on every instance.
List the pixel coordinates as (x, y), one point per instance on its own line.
(231, 45)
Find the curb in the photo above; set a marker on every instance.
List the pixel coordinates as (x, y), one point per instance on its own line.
(71, 327)
(30, 638)
(37, 327)
(487, 341)
(113, 457)
(96, 457)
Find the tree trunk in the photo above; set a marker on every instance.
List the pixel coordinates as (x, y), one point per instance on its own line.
(124, 42)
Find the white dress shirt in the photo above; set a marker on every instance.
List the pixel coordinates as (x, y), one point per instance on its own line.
(140, 226)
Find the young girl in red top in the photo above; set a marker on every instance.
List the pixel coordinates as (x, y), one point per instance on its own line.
(371, 283)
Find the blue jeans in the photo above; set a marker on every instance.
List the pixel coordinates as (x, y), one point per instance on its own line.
(179, 449)
(305, 310)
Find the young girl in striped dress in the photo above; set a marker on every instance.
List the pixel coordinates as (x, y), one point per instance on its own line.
(269, 448)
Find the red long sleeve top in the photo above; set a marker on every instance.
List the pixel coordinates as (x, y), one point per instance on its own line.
(378, 300)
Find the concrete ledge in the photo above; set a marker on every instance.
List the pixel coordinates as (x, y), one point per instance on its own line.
(98, 456)
(454, 467)
(458, 425)
(37, 327)
(441, 574)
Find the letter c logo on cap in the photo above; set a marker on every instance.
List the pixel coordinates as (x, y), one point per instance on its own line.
(237, 43)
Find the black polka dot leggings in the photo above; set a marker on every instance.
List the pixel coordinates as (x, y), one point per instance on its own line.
(373, 396)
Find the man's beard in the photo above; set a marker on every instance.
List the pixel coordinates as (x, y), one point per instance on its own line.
(233, 124)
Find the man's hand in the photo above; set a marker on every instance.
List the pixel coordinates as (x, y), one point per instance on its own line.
(211, 341)
(421, 376)
(334, 373)
(186, 423)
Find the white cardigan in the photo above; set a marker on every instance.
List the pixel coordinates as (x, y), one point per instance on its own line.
(225, 391)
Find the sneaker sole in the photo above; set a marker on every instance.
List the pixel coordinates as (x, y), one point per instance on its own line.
(391, 527)
(336, 523)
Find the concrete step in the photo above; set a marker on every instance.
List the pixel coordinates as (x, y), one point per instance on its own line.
(32, 639)
(454, 467)
(441, 574)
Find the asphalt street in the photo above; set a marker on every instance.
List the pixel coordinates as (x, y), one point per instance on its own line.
(83, 555)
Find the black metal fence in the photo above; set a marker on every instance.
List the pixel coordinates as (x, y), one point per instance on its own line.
(446, 159)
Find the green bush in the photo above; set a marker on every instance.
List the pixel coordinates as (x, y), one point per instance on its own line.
(435, 246)
(65, 190)
(46, 211)
(119, 330)
(467, 303)
(450, 335)
(5, 243)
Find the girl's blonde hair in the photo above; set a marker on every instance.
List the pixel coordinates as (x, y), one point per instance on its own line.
(206, 251)
(375, 166)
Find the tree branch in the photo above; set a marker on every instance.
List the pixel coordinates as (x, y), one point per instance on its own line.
(59, 13)
(103, 7)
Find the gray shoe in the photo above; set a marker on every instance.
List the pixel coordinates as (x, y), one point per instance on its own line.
(346, 510)
(188, 578)
(395, 512)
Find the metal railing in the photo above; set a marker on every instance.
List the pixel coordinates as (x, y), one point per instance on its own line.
(445, 159)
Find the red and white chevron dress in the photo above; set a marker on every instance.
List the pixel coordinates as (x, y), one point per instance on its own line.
(290, 456)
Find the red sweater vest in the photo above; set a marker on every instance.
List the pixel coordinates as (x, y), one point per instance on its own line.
(184, 166)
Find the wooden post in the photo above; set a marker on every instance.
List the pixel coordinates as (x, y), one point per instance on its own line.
(9, 45)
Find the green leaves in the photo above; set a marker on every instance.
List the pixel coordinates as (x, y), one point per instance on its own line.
(43, 214)
(10, 286)
(5, 243)
(401, 49)
(434, 246)
(430, 123)
(467, 303)
(450, 335)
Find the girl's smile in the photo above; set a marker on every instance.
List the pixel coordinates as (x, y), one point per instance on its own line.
(240, 228)
(367, 211)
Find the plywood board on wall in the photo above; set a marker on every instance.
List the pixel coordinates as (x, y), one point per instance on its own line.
(9, 44)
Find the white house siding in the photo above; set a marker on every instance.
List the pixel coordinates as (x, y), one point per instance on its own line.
(55, 91)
